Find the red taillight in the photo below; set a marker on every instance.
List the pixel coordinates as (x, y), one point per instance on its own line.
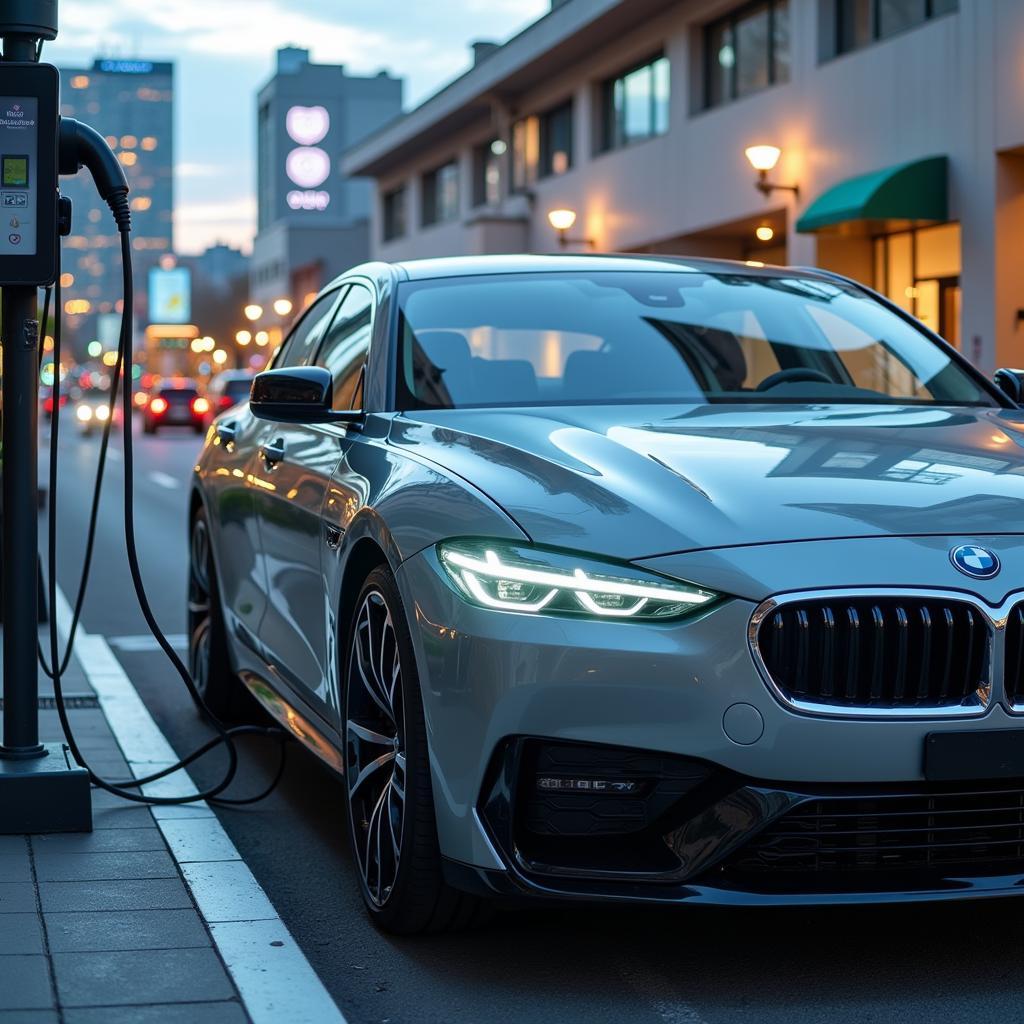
(48, 404)
(200, 406)
(158, 406)
(225, 402)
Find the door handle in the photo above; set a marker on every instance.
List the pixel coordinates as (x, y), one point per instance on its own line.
(273, 453)
(227, 431)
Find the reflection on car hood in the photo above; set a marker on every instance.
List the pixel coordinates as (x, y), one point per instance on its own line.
(632, 481)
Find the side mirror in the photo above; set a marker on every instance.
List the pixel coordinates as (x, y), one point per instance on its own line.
(1011, 383)
(297, 394)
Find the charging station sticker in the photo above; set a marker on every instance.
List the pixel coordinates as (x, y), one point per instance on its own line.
(18, 147)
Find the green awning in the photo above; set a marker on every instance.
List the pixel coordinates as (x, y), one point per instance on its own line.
(908, 193)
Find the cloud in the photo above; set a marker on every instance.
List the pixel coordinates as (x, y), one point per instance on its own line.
(200, 224)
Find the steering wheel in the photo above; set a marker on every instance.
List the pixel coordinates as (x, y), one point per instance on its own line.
(794, 375)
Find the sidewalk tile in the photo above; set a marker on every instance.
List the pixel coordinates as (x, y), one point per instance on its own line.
(137, 894)
(107, 840)
(26, 983)
(17, 898)
(70, 867)
(134, 929)
(29, 1017)
(11, 844)
(16, 867)
(20, 933)
(122, 817)
(150, 976)
(169, 1013)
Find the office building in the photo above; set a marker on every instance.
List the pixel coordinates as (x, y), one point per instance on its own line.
(131, 103)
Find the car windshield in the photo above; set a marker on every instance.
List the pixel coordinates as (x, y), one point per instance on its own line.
(629, 337)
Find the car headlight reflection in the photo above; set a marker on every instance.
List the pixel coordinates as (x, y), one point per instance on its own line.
(537, 581)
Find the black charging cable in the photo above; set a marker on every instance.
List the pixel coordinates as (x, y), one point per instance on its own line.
(83, 146)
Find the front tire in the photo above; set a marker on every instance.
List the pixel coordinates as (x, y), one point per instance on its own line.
(208, 661)
(391, 821)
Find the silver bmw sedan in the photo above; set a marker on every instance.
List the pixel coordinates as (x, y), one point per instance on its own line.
(627, 578)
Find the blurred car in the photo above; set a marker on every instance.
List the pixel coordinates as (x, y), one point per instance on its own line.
(92, 410)
(227, 390)
(46, 400)
(175, 404)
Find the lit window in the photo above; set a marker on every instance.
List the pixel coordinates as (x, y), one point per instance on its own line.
(525, 153)
(441, 194)
(149, 143)
(859, 22)
(80, 82)
(636, 104)
(129, 142)
(556, 140)
(746, 51)
(128, 159)
(141, 203)
(67, 280)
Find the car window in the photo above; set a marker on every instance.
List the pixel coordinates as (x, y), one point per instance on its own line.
(299, 346)
(570, 338)
(347, 344)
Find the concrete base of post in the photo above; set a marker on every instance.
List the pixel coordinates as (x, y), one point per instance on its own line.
(44, 794)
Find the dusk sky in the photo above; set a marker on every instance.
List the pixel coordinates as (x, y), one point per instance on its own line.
(224, 51)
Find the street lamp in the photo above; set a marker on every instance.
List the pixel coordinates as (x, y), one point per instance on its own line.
(562, 221)
(220, 357)
(243, 337)
(763, 159)
(253, 312)
(282, 307)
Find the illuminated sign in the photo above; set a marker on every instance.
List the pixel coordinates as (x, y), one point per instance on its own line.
(307, 125)
(307, 166)
(126, 67)
(309, 199)
(170, 295)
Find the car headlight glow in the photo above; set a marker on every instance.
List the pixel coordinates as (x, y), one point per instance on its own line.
(538, 581)
(84, 413)
(102, 413)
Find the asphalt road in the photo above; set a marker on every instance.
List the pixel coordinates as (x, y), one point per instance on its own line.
(684, 966)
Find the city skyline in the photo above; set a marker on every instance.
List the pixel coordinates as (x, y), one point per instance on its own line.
(221, 64)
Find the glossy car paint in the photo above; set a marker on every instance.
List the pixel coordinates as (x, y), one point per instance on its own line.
(753, 501)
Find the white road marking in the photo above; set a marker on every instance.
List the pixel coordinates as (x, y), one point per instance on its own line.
(274, 979)
(145, 643)
(172, 483)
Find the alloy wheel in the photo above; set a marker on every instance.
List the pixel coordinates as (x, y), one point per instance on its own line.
(199, 607)
(375, 758)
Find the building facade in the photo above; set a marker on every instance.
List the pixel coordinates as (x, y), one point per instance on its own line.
(900, 124)
(131, 103)
(312, 219)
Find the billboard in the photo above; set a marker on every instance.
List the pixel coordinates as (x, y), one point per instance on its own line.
(170, 295)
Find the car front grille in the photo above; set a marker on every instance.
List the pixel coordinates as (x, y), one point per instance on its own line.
(1014, 678)
(881, 653)
(978, 832)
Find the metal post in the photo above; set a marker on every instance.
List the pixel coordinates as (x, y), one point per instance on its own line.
(19, 333)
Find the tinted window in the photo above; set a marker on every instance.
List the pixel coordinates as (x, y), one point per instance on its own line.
(346, 346)
(636, 104)
(569, 338)
(238, 389)
(746, 51)
(301, 343)
(179, 394)
(556, 140)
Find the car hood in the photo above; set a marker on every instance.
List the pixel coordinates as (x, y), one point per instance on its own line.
(634, 481)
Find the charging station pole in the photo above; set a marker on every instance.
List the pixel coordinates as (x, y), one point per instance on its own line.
(41, 788)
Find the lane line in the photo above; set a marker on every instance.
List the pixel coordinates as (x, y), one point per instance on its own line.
(274, 979)
(172, 483)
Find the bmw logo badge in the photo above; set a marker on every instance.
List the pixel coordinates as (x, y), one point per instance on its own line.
(978, 563)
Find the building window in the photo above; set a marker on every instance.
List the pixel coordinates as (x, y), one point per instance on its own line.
(859, 22)
(441, 194)
(746, 51)
(635, 104)
(393, 203)
(525, 152)
(487, 173)
(556, 140)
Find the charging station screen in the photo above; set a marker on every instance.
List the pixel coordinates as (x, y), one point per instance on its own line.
(14, 171)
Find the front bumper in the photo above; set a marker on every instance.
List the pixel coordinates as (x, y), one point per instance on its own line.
(689, 689)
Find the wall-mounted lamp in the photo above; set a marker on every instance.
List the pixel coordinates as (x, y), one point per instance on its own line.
(764, 232)
(763, 159)
(562, 221)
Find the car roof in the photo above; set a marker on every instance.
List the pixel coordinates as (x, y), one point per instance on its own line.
(462, 266)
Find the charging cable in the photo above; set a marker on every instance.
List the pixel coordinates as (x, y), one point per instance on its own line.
(81, 146)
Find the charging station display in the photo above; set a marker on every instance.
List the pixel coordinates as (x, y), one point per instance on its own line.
(28, 173)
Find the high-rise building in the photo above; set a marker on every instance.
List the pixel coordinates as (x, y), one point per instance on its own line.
(131, 103)
(312, 219)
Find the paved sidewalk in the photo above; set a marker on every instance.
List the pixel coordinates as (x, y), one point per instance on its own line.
(100, 928)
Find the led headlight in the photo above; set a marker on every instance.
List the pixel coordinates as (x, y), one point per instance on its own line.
(538, 581)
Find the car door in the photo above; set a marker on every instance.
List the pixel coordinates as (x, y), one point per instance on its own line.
(291, 475)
